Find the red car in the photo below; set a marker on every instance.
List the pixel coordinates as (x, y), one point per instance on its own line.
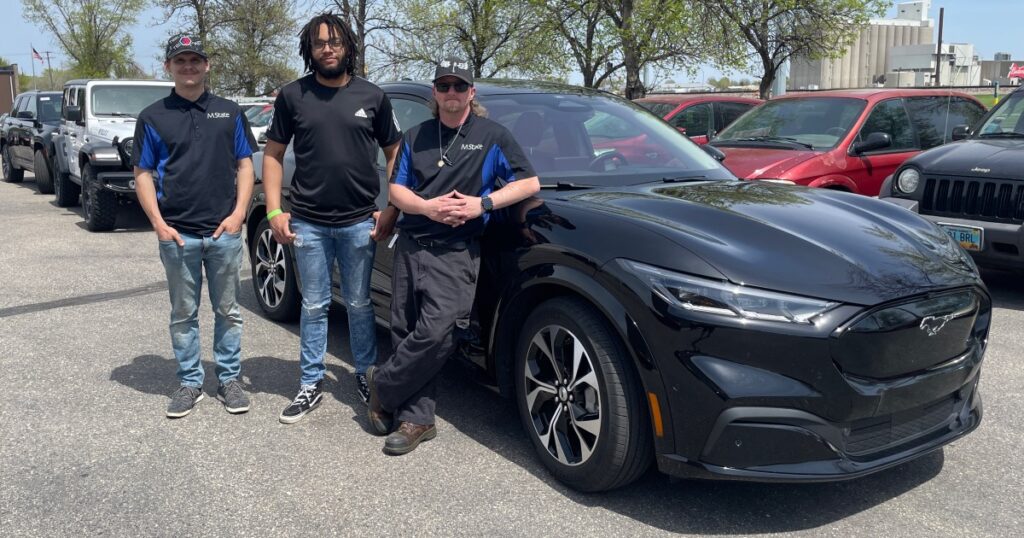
(698, 116)
(845, 139)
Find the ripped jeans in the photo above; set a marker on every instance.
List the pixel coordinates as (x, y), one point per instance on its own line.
(353, 249)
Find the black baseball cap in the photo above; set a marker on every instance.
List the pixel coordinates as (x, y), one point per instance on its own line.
(453, 67)
(184, 43)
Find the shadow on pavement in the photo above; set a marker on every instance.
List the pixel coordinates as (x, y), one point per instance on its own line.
(1006, 287)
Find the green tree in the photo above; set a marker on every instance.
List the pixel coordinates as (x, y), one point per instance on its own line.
(367, 18)
(254, 46)
(588, 36)
(202, 17)
(92, 33)
(776, 30)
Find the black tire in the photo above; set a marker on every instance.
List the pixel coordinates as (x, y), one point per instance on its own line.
(44, 178)
(99, 206)
(12, 174)
(65, 191)
(273, 276)
(621, 449)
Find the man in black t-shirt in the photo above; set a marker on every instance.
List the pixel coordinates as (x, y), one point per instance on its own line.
(193, 177)
(446, 187)
(336, 122)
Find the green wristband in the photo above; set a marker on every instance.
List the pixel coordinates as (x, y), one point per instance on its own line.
(273, 214)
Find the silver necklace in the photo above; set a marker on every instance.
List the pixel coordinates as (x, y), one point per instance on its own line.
(444, 152)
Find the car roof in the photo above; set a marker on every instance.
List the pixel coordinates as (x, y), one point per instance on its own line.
(82, 81)
(874, 94)
(492, 86)
(40, 92)
(678, 99)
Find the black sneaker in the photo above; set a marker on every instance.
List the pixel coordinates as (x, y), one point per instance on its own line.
(234, 398)
(305, 401)
(363, 388)
(182, 401)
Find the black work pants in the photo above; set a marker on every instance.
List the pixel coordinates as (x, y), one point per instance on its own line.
(432, 293)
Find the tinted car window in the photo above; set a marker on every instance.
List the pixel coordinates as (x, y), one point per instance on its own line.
(732, 111)
(659, 109)
(49, 108)
(18, 105)
(30, 104)
(931, 119)
(964, 112)
(695, 120)
(820, 122)
(1007, 117)
(409, 113)
(262, 119)
(597, 139)
(890, 117)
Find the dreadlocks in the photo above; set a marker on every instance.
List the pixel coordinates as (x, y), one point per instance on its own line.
(337, 28)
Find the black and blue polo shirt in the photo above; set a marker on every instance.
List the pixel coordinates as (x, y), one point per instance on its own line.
(193, 149)
(484, 153)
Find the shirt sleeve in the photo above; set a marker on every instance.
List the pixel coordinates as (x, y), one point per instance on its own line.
(282, 125)
(145, 151)
(404, 174)
(245, 144)
(385, 125)
(511, 163)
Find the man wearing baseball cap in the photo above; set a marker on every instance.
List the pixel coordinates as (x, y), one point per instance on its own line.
(445, 184)
(194, 178)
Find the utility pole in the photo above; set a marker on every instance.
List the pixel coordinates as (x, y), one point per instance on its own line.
(49, 68)
(938, 51)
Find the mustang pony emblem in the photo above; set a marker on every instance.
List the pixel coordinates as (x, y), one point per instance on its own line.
(932, 324)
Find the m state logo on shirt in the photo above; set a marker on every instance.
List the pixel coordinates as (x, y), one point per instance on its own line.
(217, 115)
(472, 147)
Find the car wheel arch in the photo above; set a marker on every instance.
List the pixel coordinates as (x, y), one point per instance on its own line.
(836, 183)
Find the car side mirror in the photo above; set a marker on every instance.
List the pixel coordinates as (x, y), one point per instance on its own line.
(874, 141)
(714, 152)
(961, 132)
(26, 115)
(73, 113)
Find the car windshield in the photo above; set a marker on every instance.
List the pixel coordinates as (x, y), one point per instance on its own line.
(1007, 118)
(125, 101)
(596, 139)
(659, 109)
(49, 107)
(812, 123)
(254, 111)
(262, 119)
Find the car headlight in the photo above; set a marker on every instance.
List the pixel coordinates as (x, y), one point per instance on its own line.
(908, 180)
(105, 155)
(725, 299)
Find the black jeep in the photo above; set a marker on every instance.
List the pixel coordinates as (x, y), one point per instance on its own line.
(25, 140)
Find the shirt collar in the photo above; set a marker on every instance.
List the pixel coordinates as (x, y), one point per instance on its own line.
(466, 125)
(201, 103)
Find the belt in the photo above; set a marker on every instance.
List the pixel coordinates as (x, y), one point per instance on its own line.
(436, 243)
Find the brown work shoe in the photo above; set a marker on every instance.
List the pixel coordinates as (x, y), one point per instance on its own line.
(407, 437)
(380, 420)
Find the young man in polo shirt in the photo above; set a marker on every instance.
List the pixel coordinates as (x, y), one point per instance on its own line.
(445, 185)
(336, 122)
(193, 177)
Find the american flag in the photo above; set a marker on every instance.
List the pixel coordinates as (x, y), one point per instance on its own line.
(35, 54)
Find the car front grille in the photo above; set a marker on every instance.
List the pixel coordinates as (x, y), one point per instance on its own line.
(991, 200)
(877, 433)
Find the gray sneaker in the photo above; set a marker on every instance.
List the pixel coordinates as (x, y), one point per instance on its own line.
(182, 401)
(234, 398)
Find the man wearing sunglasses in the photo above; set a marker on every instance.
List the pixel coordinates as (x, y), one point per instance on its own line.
(446, 184)
(336, 122)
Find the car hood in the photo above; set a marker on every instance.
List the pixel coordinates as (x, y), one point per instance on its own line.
(108, 129)
(763, 163)
(976, 157)
(811, 242)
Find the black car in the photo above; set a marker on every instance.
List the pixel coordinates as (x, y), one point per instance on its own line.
(25, 141)
(646, 306)
(973, 188)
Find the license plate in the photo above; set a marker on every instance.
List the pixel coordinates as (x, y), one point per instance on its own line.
(969, 237)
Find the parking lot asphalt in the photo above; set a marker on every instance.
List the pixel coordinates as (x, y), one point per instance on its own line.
(86, 370)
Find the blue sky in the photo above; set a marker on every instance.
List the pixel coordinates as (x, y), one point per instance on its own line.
(989, 24)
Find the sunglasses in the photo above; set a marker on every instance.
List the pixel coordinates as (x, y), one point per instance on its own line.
(460, 87)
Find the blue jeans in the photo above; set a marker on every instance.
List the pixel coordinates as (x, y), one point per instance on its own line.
(353, 249)
(184, 268)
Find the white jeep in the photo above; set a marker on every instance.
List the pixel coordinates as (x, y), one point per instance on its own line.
(93, 146)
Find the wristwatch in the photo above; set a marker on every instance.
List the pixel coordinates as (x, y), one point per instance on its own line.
(486, 203)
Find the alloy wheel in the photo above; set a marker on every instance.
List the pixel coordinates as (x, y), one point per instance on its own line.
(562, 395)
(270, 269)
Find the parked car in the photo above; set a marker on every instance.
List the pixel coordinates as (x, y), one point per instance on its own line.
(94, 145)
(708, 324)
(973, 188)
(847, 140)
(259, 122)
(25, 142)
(698, 116)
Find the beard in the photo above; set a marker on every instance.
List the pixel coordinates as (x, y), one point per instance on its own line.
(453, 107)
(330, 73)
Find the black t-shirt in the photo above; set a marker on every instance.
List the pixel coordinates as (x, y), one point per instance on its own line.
(336, 135)
(483, 153)
(193, 149)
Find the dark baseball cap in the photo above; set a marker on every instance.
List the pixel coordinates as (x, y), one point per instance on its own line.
(184, 43)
(453, 67)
